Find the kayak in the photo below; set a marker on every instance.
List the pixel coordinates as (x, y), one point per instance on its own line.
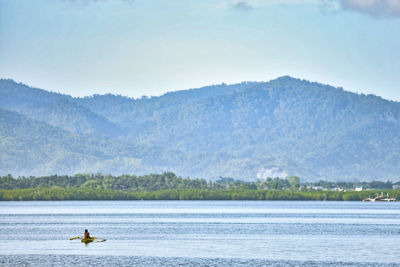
(88, 240)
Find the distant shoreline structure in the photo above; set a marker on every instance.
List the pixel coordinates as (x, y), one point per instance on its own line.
(380, 198)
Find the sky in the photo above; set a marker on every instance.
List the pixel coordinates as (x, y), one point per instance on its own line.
(149, 47)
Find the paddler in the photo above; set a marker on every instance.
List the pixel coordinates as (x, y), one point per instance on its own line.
(87, 235)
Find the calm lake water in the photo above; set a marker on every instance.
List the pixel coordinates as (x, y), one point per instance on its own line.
(200, 233)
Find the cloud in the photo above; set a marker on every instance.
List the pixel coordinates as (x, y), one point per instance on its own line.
(96, 1)
(376, 8)
(242, 5)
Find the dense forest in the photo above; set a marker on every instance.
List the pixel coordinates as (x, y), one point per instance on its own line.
(251, 130)
(168, 186)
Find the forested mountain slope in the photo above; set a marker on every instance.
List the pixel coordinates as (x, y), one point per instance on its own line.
(29, 147)
(131, 113)
(249, 130)
(55, 109)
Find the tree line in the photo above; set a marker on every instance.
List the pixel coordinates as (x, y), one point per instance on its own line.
(184, 194)
(168, 186)
(168, 180)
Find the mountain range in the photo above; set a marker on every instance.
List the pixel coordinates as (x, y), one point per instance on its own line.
(250, 130)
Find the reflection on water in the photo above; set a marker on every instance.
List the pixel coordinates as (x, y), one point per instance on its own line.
(203, 232)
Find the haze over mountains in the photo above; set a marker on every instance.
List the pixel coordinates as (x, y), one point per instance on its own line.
(249, 130)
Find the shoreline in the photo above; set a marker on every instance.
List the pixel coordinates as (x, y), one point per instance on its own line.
(60, 194)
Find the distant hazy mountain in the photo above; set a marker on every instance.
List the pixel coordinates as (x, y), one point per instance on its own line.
(53, 108)
(248, 130)
(29, 147)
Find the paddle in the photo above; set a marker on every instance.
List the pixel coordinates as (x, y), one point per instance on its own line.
(72, 238)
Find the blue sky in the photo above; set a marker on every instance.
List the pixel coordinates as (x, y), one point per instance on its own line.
(149, 47)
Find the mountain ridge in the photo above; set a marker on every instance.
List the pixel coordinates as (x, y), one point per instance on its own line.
(248, 130)
(53, 108)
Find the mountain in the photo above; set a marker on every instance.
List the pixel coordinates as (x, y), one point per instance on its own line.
(249, 130)
(53, 108)
(132, 113)
(30, 147)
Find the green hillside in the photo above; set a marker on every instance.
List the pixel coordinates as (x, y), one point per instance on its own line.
(249, 130)
(55, 109)
(29, 147)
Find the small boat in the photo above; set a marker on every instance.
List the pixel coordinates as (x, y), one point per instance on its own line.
(89, 240)
(380, 198)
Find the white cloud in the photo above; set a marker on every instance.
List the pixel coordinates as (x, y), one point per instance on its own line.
(242, 5)
(96, 1)
(376, 8)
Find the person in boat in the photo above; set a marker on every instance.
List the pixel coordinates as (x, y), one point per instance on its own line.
(87, 235)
